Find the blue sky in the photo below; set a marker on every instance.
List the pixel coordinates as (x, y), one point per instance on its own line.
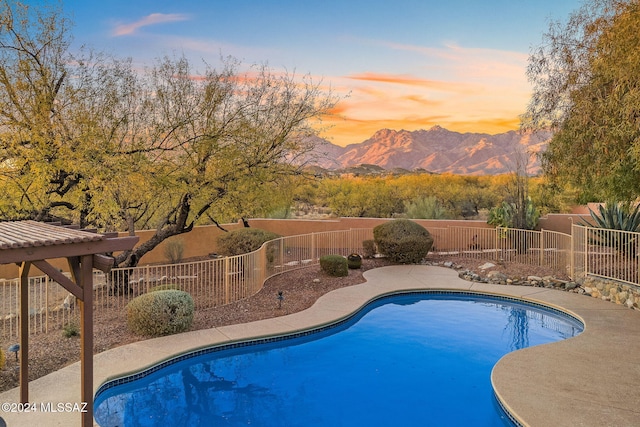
(405, 64)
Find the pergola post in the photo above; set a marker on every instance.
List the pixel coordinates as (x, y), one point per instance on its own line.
(24, 331)
(86, 332)
(31, 242)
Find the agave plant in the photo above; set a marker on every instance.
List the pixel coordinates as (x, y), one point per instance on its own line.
(616, 216)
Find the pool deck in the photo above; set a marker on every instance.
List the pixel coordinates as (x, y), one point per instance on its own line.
(589, 380)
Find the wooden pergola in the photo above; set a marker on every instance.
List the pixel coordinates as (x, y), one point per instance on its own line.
(29, 243)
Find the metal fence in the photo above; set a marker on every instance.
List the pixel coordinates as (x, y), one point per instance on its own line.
(609, 254)
(211, 282)
(544, 248)
(215, 282)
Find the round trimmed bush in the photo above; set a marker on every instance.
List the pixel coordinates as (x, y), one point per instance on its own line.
(403, 241)
(244, 240)
(354, 261)
(334, 265)
(159, 313)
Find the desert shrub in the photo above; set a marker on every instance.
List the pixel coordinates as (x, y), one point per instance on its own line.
(160, 313)
(334, 265)
(403, 241)
(166, 286)
(71, 330)
(426, 208)
(3, 358)
(369, 248)
(354, 261)
(173, 250)
(244, 240)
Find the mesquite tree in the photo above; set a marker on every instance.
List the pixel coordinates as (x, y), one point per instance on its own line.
(86, 138)
(586, 78)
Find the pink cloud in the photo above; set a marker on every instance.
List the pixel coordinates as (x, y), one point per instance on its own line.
(153, 19)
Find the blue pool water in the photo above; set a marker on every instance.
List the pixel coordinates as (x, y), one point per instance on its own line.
(411, 360)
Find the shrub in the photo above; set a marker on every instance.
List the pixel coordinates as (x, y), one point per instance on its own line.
(403, 241)
(244, 240)
(3, 358)
(354, 261)
(369, 248)
(334, 265)
(426, 208)
(173, 250)
(71, 330)
(160, 313)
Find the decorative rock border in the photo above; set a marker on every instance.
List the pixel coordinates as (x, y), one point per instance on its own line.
(595, 287)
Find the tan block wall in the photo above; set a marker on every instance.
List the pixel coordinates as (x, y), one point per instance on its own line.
(201, 241)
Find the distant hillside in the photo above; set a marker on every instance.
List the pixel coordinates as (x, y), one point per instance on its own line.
(437, 150)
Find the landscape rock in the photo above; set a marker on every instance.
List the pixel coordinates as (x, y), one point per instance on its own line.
(486, 266)
(497, 277)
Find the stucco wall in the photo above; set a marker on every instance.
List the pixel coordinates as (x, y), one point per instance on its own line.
(202, 240)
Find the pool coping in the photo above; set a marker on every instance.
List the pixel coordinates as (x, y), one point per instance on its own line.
(589, 380)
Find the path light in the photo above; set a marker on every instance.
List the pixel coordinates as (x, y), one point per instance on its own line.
(15, 348)
(280, 298)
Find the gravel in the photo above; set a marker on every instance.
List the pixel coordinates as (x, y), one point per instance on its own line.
(300, 289)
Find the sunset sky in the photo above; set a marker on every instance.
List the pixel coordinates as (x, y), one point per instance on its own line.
(399, 64)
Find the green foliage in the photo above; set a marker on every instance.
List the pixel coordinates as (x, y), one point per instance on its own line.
(354, 261)
(3, 358)
(369, 248)
(334, 265)
(160, 313)
(585, 78)
(426, 208)
(244, 240)
(71, 330)
(615, 216)
(173, 250)
(506, 216)
(352, 197)
(92, 139)
(501, 216)
(416, 195)
(280, 213)
(403, 241)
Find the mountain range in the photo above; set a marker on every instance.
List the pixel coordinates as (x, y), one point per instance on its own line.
(438, 150)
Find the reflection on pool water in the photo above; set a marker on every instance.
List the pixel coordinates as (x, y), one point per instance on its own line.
(413, 359)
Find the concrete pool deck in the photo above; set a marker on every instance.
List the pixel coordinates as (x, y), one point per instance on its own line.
(589, 380)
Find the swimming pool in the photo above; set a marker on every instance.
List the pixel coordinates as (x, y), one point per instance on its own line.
(411, 359)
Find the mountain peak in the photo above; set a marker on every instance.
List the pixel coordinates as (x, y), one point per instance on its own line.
(440, 151)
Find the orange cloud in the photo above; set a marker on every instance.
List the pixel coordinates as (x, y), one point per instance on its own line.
(153, 19)
(408, 80)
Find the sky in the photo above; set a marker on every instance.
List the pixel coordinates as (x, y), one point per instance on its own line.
(396, 64)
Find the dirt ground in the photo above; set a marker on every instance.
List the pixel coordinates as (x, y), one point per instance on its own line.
(300, 289)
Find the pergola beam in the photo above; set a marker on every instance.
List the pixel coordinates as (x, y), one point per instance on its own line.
(57, 276)
(29, 242)
(36, 253)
